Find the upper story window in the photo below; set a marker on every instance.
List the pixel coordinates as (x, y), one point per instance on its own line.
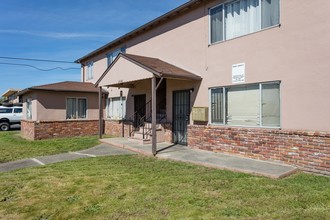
(90, 70)
(241, 17)
(112, 56)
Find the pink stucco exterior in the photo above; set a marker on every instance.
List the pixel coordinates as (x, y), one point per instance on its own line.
(51, 106)
(295, 53)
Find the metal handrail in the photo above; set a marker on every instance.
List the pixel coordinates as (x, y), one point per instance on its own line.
(144, 118)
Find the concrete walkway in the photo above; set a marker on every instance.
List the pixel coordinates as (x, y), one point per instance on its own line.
(99, 150)
(206, 158)
(121, 146)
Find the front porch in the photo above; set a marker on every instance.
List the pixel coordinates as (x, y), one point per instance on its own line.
(154, 99)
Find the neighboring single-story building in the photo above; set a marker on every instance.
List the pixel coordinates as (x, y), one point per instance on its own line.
(245, 77)
(10, 96)
(63, 109)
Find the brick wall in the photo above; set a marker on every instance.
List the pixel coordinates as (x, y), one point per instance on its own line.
(114, 127)
(168, 132)
(309, 151)
(27, 129)
(52, 129)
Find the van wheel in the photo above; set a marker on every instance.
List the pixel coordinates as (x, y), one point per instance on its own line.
(4, 126)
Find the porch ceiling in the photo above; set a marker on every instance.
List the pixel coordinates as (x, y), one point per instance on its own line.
(128, 69)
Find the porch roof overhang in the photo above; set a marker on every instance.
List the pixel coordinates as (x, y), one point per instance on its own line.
(127, 69)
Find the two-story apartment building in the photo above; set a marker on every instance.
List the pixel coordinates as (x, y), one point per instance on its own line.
(247, 77)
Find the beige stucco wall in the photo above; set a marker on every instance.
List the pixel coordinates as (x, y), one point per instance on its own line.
(296, 53)
(51, 106)
(32, 96)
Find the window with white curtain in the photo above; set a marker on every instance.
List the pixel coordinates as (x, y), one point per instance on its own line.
(76, 108)
(28, 108)
(116, 108)
(90, 70)
(241, 17)
(256, 105)
(112, 56)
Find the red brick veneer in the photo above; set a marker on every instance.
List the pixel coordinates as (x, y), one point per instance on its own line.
(309, 151)
(50, 129)
(114, 127)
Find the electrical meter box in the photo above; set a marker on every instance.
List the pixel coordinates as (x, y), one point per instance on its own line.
(200, 113)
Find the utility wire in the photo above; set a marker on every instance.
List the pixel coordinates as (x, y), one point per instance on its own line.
(20, 64)
(39, 60)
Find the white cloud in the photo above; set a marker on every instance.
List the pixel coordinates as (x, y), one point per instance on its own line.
(57, 35)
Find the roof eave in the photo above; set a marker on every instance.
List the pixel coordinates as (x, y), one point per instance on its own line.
(142, 28)
(25, 91)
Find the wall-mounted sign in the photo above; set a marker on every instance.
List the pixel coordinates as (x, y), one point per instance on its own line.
(238, 73)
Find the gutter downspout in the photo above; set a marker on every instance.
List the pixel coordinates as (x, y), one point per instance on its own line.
(83, 72)
(100, 113)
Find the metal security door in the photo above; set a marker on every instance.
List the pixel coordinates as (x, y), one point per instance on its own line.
(181, 111)
(139, 109)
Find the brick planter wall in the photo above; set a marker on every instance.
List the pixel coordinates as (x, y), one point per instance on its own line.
(114, 127)
(168, 132)
(52, 129)
(27, 129)
(309, 151)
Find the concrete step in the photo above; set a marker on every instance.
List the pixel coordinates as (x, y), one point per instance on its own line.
(139, 135)
(147, 130)
(148, 125)
(139, 141)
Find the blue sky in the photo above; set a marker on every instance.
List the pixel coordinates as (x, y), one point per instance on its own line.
(64, 30)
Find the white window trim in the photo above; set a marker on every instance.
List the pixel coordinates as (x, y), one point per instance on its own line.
(26, 114)
(90, 70)
(110, 54)
(260, 110)
(66, 107)
(223, 18)
(123, 102)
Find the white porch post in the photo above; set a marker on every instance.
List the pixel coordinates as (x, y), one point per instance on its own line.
(153, 116)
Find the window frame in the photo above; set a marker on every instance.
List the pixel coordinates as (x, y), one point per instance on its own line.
(110, 54)
(121, 99)
(224, 88)
(224, 21)
(29, 107)
(90, 70)
(76, 113)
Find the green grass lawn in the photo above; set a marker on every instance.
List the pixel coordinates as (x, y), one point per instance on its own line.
(14, 147)
(137, 187)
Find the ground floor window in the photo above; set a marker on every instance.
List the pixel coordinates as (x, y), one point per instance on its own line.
(28, 108)
(116, 108)
(76, 108)
(246, 105)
